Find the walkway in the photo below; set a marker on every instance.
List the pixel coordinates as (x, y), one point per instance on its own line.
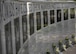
(43, 39)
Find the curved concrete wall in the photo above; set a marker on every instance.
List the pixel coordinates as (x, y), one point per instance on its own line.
(38, 41)
(41, 40)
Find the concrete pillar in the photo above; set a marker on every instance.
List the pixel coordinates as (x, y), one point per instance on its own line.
(68, 13)
(28, 26)
(21, 32)
(55, 12)
(62, 19)
(48, 17)
(75, 21)
(3, 38)
(69, 29)
(42, 24)
(75, 13)
(13, 32)
(3, 30)
(62, 15)
(35, 23)
(13, 36)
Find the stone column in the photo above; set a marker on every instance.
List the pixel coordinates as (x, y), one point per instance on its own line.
(42, 24)
(68, 13)
(55, 12)
(75, 21)
(75, 13)
(48, 17)
(13, 36)
(3, 30)
(62, 15)
(70, 23)
(3, 38)
(62, 20)
(21, 32)
(28, 26)
(35, 23)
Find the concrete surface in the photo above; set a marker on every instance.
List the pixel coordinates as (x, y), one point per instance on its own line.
(43, 39)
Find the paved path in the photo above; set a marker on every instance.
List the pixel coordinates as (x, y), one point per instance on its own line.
(43, 39)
